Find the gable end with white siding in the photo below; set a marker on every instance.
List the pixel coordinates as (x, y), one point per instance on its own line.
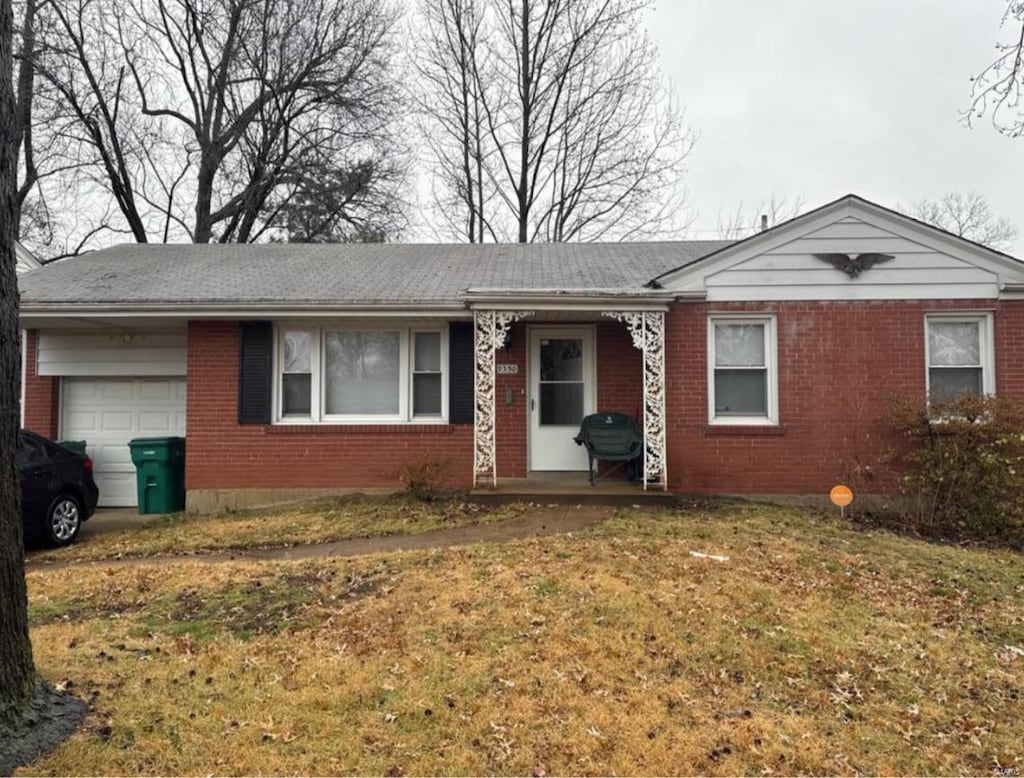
(780, 264)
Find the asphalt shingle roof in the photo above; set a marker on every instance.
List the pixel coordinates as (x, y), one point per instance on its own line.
(348, 273)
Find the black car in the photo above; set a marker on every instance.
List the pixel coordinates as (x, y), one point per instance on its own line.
(58, 492)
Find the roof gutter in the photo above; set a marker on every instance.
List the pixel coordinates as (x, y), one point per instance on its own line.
(569, 299)
(473, 299)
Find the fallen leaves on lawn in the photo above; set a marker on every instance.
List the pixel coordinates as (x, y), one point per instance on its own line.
(815, 650)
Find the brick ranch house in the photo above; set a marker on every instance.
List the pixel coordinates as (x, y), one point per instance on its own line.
(756, 367)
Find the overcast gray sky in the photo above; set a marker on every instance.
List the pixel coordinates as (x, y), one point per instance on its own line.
(817, 98)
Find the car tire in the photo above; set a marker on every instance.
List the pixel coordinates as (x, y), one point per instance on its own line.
(63, 520)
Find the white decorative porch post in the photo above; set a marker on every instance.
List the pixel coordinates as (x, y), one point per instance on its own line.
(648, 331)
(490, 330)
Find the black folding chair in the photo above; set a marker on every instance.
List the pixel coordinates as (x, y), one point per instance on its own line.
(611, 437)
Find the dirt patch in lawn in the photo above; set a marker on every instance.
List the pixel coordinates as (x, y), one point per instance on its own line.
(269, 603)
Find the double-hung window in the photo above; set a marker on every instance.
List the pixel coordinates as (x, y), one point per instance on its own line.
(960, 355)
(427, 381)
(742, 372)
(296, 360)
(340, 374)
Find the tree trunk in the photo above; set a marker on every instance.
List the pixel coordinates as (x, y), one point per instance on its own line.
(23, 106)
(16, 669)
(526, 63)
(33, 716)
(204, 200)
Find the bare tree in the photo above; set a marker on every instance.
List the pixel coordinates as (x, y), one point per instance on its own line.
(451, 114)
(550, 121)
(744, 222)
(85, 69)
(997, 89)
(204, 119)
(968, 216)
(40, 148)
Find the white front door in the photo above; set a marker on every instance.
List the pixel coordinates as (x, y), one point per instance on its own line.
(561, 392)
(108, 412)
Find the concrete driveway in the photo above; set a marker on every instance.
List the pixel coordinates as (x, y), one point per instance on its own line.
(111, 520)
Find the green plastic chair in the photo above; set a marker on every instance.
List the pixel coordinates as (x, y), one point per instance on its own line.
(611, 437)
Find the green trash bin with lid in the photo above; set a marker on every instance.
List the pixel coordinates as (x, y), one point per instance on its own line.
(78, 446)
(160, 473)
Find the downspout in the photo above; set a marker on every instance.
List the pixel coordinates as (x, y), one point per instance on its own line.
(24, 376)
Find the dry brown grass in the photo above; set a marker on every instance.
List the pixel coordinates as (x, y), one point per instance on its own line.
(813, 649)
(320, 522)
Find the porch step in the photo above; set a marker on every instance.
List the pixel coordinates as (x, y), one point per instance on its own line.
(612, 493)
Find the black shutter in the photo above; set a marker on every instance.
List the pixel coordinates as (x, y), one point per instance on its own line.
(254, 372)
(460, 372)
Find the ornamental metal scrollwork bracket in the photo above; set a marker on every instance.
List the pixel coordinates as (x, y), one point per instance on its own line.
(647, 329)
(490, 333)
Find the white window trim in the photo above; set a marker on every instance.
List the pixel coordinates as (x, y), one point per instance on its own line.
(318, 379)
(443, 367)
(771, 365)
(987, 346)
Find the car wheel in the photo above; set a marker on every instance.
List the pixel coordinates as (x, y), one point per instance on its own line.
(63, 520)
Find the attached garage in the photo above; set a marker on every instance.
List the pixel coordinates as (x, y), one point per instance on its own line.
(113, 388)
(109, 412)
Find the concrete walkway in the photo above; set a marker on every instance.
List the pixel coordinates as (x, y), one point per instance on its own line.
(549, 520)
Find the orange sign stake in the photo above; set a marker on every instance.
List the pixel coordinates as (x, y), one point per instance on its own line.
(842, 496)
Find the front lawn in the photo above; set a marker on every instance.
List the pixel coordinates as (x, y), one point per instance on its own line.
(813, 648)
(324, 521)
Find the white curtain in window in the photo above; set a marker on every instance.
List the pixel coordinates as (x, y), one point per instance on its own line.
(954, 343)
(739, 345)
(297, 352)
(362, 373)
(296, 379)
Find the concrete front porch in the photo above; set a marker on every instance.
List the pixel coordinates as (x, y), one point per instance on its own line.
(541, 368)
(571, 488)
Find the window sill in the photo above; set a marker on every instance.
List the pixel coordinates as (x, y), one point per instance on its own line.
(744, 430)
(414, 428)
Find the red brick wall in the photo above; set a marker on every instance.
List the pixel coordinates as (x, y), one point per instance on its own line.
(221, 454)
(620, 381)
(41, 393)
(510, 420)
(837, 363)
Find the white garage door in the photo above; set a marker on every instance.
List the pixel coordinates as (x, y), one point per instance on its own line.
(108, 412)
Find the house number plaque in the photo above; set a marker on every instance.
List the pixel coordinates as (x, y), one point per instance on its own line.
(507, 369)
